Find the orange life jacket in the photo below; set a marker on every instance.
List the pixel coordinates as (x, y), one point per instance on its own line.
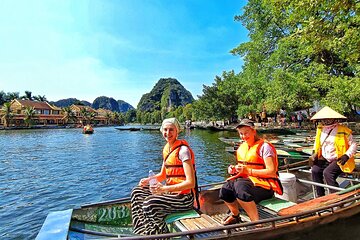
(341, 145)
(173, 165)
(251, 158)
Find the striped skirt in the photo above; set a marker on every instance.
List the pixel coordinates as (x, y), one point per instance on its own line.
(149, 210)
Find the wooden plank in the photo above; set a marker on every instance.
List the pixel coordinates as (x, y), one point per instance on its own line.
(56, 226)
(200, 224)
(316, 203)
(210, 220)
(189, 224)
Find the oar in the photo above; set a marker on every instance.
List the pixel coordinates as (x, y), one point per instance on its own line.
(287, 166)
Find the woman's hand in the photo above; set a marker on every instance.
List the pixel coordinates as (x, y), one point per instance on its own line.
(242, 170)
(232, 170)
(158, 189)
(143, 182)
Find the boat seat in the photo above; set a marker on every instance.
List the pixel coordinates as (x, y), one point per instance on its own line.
(276, 204)
(56, 226)
(181, 215)
(201, 222)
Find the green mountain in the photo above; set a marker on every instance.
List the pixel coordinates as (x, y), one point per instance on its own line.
(111, 104)
(124, 106)
(106, 103)
(70, 101)
(99, 102)
(168, 92)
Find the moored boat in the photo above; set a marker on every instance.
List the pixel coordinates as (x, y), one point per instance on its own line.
(279, 217)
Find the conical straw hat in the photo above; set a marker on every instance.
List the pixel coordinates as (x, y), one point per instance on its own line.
(327, 113)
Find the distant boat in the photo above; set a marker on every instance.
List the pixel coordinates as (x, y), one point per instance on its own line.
(138, 128)
(88, 130)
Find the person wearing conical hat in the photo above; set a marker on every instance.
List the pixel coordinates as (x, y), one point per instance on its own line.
(334, 149)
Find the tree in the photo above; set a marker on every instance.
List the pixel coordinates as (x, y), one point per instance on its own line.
(27, 96)
(109, 117)
(130, 116)
(29, 116)
(303, 51)
(69, 115)
(88, 117)
(218, 101)
(188, 112)
(39, 98)
(6, 114)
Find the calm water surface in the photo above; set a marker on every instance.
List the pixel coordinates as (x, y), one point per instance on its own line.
(51, 170)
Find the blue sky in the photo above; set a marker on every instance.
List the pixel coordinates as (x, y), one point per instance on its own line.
(115, 48)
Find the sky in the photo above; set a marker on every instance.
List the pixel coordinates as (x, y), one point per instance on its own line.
(116, 48)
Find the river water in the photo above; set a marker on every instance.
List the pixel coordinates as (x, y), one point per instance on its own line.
(57, 169)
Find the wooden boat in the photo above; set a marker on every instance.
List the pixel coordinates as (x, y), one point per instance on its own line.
(279, 218)
(88, 130)
(288, 142)
(282, 151)
(138, 128)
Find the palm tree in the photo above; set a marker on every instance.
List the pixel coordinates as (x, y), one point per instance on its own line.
(2, 97)
(69, 115)
(29, 115)
(115, 118)
(84, 113)
(40, 98)
(11, 96)
(6, 114)
(108, 117)
(27, 96)
(91, 117)
(88, 116)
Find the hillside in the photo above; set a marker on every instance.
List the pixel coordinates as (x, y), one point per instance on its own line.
(100, 102)
(70, 101)
(167, 92)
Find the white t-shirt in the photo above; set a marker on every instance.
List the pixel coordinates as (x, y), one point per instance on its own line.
(266, 151)
(184, 153)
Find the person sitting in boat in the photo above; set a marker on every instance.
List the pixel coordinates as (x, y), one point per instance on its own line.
(150, 206)
(255, 177)
(334, 149)
(88, 127)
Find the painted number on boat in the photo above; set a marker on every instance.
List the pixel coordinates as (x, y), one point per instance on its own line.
(113, 213)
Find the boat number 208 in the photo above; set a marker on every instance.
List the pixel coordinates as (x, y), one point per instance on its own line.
(116, 212)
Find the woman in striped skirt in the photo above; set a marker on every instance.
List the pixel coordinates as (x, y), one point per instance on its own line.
(150, 206)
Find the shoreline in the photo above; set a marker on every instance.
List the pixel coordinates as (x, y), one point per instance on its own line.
(354, 126)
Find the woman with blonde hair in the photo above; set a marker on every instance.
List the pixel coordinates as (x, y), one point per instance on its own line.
(151, 206)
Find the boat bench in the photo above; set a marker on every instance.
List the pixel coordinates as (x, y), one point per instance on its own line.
(192, 220)
(276, 204)
(56, 226)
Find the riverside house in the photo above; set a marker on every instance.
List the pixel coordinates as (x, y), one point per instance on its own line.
(44, 113)
(85, 114)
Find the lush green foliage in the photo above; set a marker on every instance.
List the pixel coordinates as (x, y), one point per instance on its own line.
(6, 114)
(300, 51)
(8, 97)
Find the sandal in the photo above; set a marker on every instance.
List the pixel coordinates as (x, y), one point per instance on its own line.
(231, 219)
